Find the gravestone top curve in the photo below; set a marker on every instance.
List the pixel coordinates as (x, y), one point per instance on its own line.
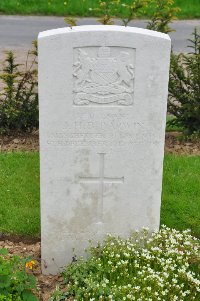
(89, 28)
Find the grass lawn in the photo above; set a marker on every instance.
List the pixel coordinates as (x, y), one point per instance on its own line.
(181, 193)
(19, 194)
(189, 8)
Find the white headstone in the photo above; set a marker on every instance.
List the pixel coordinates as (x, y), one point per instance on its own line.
(103, 98)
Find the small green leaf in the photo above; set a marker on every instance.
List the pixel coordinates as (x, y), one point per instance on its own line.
(29, 296)
(4, 281)
(3, 252)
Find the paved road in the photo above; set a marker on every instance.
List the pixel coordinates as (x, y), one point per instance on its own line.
(19, 31)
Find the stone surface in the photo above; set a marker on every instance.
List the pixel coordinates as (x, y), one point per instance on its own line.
(103, 93)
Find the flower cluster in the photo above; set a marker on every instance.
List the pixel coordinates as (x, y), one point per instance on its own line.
(30, 264)
(161, 266)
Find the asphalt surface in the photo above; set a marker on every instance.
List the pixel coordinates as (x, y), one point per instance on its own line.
(19, 31)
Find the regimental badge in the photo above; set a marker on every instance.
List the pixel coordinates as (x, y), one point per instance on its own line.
(104, 76)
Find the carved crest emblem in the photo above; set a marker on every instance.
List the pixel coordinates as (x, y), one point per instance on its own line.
(103, 78)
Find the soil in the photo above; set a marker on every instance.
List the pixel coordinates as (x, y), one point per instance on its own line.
(30, 142)
(175, 145)
(19, 142)
(45, 284)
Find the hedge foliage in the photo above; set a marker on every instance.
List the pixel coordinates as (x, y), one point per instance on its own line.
(19, 95)
(184, 88)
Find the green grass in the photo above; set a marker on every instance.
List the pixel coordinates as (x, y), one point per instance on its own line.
(189, 8)
(181, 193)
(19, 193)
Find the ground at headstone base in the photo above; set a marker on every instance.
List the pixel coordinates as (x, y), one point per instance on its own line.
(19, 142)
(45, 284)
(30, 142)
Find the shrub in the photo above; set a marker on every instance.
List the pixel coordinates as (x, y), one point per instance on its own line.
(163, 12)
(108, 9)
(120, 8)
(184, 88)
(144, 267)
(15, 283)
(19, 96)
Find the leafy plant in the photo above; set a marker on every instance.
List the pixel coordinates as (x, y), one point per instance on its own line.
(15, 283)
(10, 298)
(163, 14)
(70, 21)
(58, 295)
(184, 88)
(132, 10)
(105, 10)
(125, 11)
(163, 265)
(19, 96)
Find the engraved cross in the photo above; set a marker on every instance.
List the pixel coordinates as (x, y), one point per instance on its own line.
(101, 179)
